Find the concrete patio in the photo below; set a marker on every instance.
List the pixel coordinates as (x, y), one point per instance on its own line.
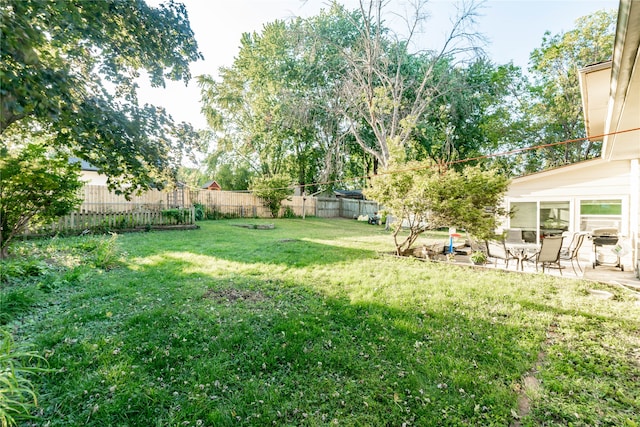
(601, 273)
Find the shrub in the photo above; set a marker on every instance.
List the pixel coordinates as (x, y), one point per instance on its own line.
(180, 216)
(36, 189)
(288, 212)
(199, 211)
(272, 190)
(478, 257)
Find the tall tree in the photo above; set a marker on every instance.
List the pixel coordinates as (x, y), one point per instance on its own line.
(473, 117)
(556, 111)
(390, 89)
(69, 67)
(274, 106)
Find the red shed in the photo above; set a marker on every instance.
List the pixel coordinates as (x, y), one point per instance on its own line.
(212, 185)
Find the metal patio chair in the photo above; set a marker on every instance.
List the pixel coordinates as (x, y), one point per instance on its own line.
(572, 251)
(549, 254)
(496, 249)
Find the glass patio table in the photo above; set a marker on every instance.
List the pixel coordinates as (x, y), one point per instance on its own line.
(522, 252)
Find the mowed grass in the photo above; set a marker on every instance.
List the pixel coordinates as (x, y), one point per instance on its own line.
(312, 324)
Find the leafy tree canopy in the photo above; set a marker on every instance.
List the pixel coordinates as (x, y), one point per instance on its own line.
(35, 189)
(420, 196)
(69, 68)
(556, 109)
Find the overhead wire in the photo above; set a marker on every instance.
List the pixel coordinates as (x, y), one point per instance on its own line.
(452, 162)
(469, 159)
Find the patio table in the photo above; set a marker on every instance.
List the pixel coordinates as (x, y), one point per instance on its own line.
(522, 252)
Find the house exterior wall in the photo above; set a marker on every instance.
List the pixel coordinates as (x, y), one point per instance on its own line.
(93, 177)
(591, 180)
(634, 210)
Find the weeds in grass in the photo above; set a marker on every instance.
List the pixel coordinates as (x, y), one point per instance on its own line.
(17, 398)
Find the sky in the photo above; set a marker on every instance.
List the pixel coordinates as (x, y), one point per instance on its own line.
(513, 28)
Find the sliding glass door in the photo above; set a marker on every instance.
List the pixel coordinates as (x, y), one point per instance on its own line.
(540, 219)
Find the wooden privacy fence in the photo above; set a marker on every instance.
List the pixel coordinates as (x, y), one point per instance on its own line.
(230, 204)
(98, 198)
(350, 208)
(102, 210)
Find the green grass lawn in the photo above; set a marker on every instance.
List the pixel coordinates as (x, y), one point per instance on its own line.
(310, 324)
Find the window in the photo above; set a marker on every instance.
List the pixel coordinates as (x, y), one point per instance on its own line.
(540, 219)
(525, 218)
(600, 214)
(554, 218)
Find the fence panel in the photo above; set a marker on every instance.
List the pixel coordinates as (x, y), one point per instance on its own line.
(230, 204)
(328, 207)
(103, 210)
(300, 206)
(98, 198)
(354, 208)
(116, 216)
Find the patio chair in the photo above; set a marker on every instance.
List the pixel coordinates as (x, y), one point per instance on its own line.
(572, 251)
(496, 249)
(568, 239)
(514, 235)
(549, 253)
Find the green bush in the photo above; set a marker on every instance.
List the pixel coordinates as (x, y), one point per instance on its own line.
(288, 212)
(180, 216)
(272, 190)
(199, 211)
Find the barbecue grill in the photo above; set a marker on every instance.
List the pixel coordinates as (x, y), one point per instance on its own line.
(604, 241)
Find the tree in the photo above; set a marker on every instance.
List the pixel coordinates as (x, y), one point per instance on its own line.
(475, 116)
(270, 107)
(70, 68)
(36, 188)
(557, 107)
(272, 190)
(421, 196)
(389, 89)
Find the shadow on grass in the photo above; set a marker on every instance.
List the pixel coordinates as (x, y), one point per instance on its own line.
(167, 342)
(255, 351)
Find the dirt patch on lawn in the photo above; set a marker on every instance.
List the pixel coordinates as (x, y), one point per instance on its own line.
(229, 296)
(530, 385)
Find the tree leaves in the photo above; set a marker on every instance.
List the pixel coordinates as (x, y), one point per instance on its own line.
(36, 188)
(421, 197)
(71, 67)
